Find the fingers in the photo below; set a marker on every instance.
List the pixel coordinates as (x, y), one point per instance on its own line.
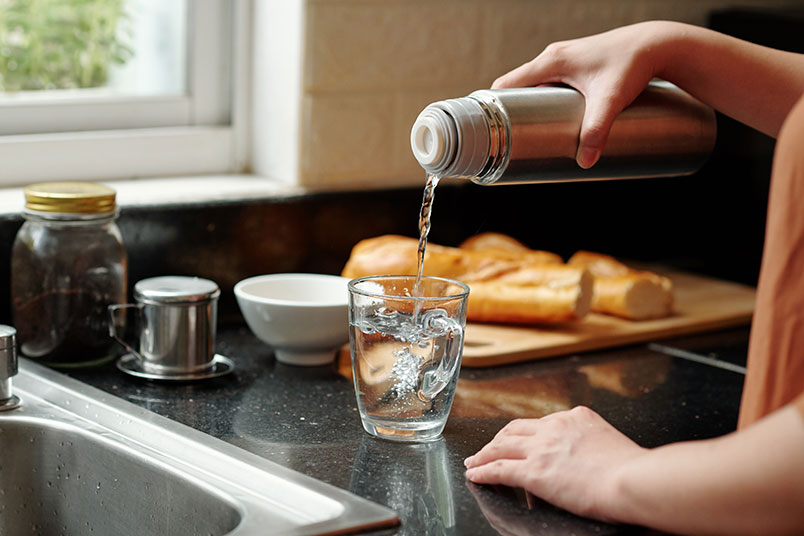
(516, 439)
(531, 73)
(545, 68)
(601, 109)
(599, 114)
(507, 472)
(506, 443)
(501, 447)
(594, 133)
(520, 427)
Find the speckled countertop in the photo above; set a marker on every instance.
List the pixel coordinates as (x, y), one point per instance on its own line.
(306, 419)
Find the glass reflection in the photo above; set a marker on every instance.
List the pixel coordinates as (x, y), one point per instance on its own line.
(412, 479)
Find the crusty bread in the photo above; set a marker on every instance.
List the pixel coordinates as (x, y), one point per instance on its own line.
(531, 303)
(513, 284)
(507, 247)
(618, 289)
(490, 240)
(504, 288)
(623, 291)
(393, 254)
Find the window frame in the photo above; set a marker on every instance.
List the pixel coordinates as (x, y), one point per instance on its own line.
(92, 136)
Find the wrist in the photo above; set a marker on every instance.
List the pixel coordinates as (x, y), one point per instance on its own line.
(665, 46)
(676, 47)
(618, 496)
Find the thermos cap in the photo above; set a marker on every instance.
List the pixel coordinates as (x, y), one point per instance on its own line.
(451, 138)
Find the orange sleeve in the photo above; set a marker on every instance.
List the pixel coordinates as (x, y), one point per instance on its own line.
(775, 375)
(799, 403)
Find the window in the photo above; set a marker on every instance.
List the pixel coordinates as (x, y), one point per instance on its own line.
(129, 88)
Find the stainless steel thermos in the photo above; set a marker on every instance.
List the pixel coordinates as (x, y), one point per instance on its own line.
(529, 135)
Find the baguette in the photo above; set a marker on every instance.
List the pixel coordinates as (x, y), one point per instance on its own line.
(393, 254)
(622, 291)
(529, 304)
(618, 289)
(485, 241)
(504, 246)
(504, 288)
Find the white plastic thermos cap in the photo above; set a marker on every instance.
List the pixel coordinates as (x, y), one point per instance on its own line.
(428, 139)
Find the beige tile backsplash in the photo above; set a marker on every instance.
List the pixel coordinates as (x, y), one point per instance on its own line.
(368, 67)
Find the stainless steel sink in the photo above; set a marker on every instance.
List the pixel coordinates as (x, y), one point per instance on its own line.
(76, 460)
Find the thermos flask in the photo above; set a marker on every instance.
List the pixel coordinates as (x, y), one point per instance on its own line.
(528, 135)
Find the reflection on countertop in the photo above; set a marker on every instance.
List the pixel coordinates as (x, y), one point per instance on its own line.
(412, 479)
(306, 419)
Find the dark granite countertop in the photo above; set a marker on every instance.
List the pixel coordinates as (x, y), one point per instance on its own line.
(306, 419)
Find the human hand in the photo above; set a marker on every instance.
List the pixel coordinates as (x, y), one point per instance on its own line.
(610, 70)
(570, 459)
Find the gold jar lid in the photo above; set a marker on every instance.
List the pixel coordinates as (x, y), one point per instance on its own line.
(70, 198)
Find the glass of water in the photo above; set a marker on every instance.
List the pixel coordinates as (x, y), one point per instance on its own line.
(406, 345)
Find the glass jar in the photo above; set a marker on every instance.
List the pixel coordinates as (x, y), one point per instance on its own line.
(68, 263)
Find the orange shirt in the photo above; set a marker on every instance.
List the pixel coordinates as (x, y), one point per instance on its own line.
(775, 374)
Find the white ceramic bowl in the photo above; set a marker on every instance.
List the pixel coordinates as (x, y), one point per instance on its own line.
(304, 317)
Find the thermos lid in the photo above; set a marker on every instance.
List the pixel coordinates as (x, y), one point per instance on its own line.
(70, 198)
(175, 289)
(451, 138)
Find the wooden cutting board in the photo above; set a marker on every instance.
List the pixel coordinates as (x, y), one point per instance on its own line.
(701, 304)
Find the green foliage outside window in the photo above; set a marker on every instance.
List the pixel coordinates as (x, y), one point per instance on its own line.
(60, 44)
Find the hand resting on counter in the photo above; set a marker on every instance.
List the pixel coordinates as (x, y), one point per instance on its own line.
(747, 482)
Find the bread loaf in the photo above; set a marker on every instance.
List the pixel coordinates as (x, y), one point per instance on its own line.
(514, 284)
(623, 291)
(507, 247)
(618, 289)
(504, 287)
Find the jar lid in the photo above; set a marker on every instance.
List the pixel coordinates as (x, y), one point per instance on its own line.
(70, 197)
(175, 289)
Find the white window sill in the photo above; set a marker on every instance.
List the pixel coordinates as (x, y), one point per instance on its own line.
(176, 190)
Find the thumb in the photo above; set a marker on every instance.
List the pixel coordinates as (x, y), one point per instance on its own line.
(599, 115)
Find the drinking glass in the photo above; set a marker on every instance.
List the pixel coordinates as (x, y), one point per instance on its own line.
(406, 346)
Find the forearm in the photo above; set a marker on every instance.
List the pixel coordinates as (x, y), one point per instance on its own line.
(749, 482)
(753, 84)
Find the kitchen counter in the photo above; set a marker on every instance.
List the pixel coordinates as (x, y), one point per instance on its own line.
(307, 419)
